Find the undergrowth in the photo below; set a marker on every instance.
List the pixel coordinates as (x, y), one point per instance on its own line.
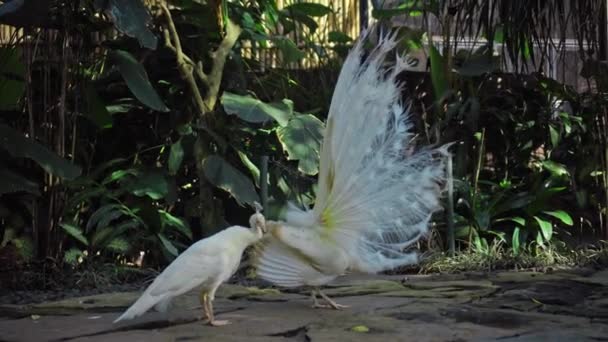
(500, 257)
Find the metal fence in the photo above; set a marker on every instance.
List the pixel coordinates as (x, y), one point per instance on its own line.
(345, 18)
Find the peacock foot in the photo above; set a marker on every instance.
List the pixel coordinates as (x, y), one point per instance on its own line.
(331, 304)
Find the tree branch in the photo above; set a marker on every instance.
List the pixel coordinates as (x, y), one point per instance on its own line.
(184, 63)
(188, 68)
(233, 31)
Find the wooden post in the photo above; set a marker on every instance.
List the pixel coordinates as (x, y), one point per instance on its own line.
(363, 15)
(264, 181)
(450, 218)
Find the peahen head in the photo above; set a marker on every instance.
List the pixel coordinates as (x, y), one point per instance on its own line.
(257, 221)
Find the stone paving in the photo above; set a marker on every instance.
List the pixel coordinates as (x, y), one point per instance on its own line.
(508, 306)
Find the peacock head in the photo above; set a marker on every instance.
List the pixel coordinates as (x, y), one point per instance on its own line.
(257, 221)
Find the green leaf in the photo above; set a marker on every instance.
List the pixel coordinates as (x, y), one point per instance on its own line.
(137, 80)
(12, 76)
(72, 256)
(25, 246)
(255, 111)
(309, 8)
(519, 220)
(226, 177)
(556, 169)
(499, 35)
(131, 17)
(539, 238)
(554, 134)
(169, 246)
(104, 237)
(515, 241)
(545, 227)
(153, 184)
(253, 169)
(96, 110)
(74, 232)
(338, 37)
(21, 147)
(360, 329)
(118, 175)
(561, 215)
(169, 220)
(526, 51)
(304, 19)
(477, 65)
(11, 182)
(289, 50)
(119, 245)
(99, 215)
(84, 196)
(101, 237)
(301, 138)
(437, 72)
(393, 12)
(176, 156)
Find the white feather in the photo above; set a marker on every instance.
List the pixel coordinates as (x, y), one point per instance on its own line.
(207, 263)
(372, 203)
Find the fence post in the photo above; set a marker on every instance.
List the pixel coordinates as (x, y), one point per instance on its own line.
(264, 181)
(363, 15)
(450, 218)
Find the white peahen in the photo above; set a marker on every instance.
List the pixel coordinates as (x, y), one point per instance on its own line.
(375, 196)
(208, 262)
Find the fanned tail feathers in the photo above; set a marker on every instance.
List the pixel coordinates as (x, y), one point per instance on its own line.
(376, 192)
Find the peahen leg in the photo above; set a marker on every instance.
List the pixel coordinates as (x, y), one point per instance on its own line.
(213, 321)
(330, 303)
(204, 300)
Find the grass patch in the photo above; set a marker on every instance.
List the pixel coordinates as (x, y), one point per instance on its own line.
(500, 257)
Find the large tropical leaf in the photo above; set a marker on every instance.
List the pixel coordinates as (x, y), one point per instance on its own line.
(289, 50)
(153, 184)
(561, 215)
(228, 178)
(255, 111)
(169, 246)
(12, 75)
(137, 80)
(21, 147)
(131, 17)
(438, 76)
(11, 182)
(545, 227)
(176, 156)
(74, 232)
(96, 109)
(309, 8)
(301, 138)
(180, 225)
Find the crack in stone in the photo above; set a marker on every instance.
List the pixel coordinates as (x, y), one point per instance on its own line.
(299, 334)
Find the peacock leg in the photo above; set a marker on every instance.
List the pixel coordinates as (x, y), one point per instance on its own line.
(331, 303)
(315, 302)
